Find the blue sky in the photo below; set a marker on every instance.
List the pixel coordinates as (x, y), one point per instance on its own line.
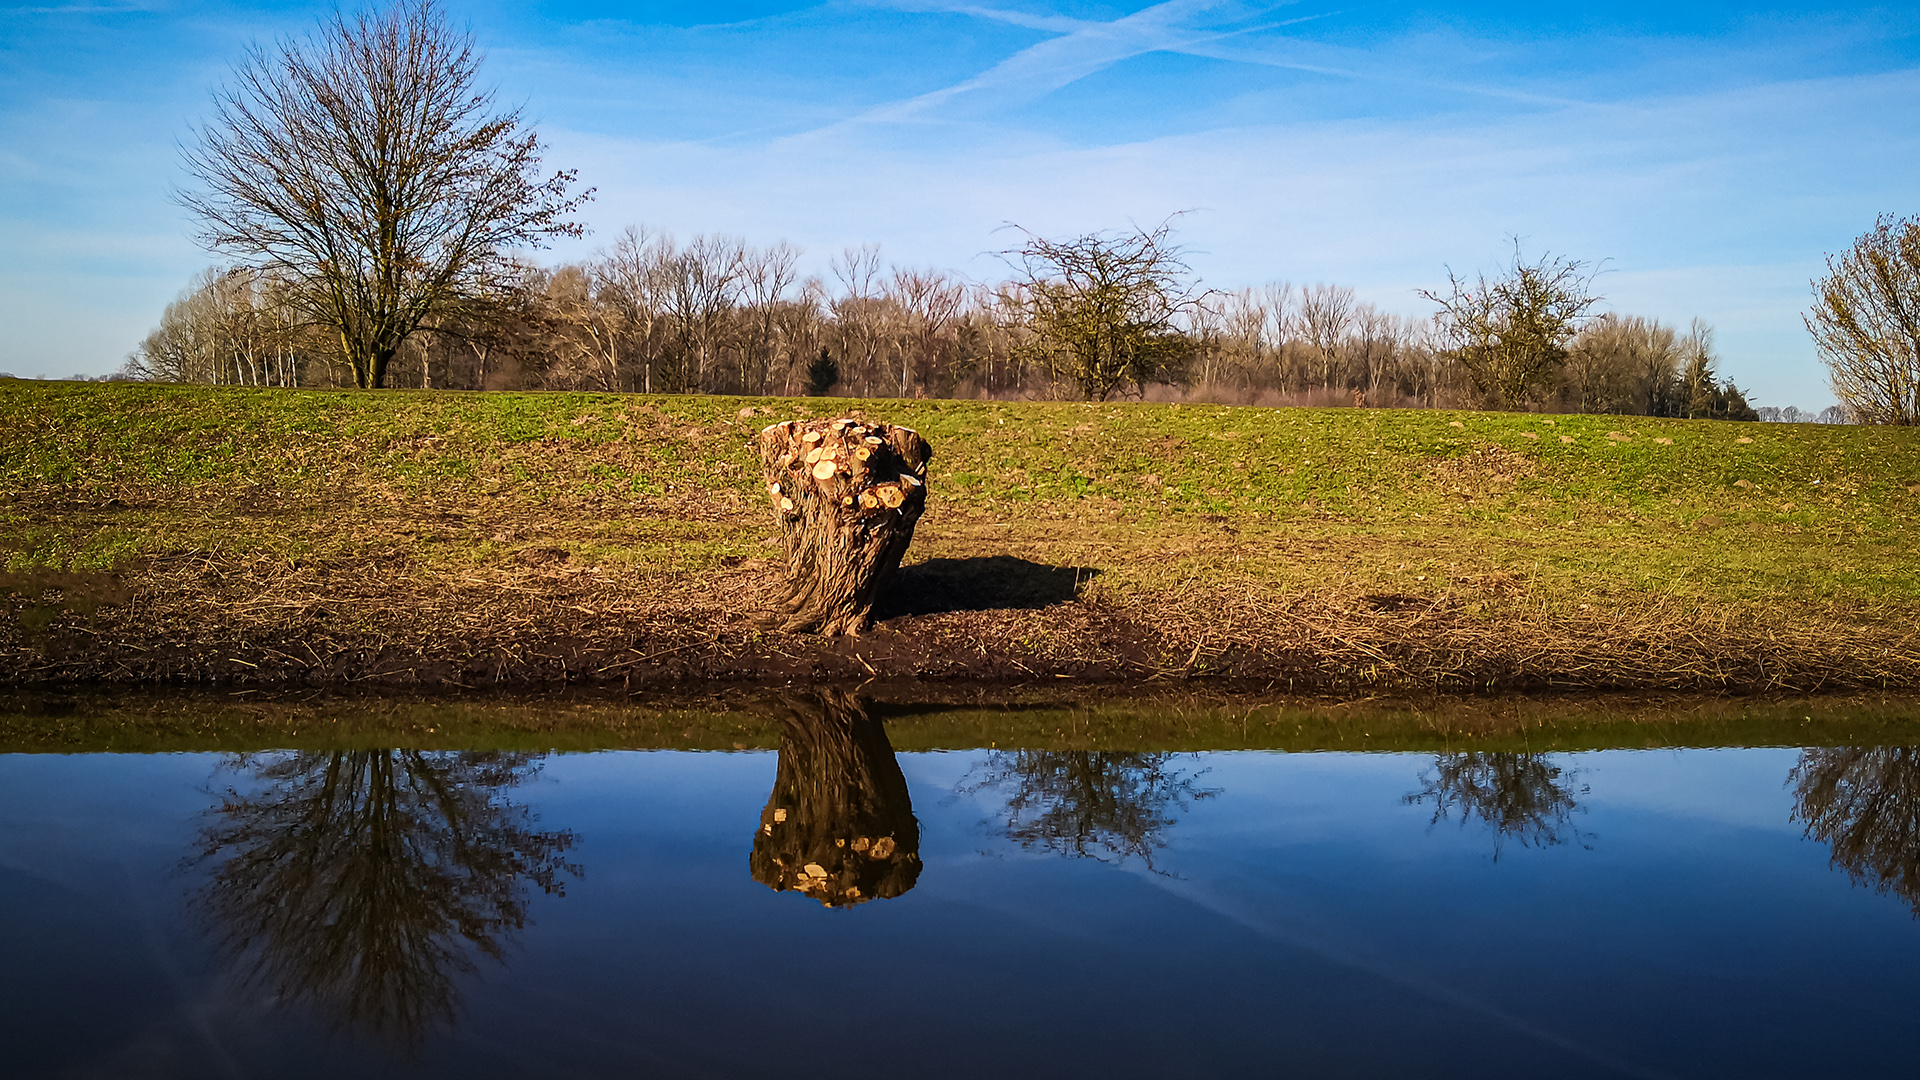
(1710, 154)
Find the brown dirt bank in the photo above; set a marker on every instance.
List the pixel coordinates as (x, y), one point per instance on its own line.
(266, 621)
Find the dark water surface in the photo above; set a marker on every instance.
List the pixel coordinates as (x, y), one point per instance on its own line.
(840, 907)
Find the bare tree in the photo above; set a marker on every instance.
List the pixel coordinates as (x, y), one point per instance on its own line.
(1236, 339)
(1625, 364)
(1707, 396)
(503, 333)
(181, 348)
(1864, 803)
(229, 327)
(1105, 310)
(1866, 323)
(703, 283)
(1511, 333)
(766, 276)
(1697, 370)
(931, 302)
(367, 883)
(366, 166)
(631, 282)
(1325, 311)
(1373, 344)
(585, 341)
(859, 312)
(803, 328)
(858, 270)
(1090, 804)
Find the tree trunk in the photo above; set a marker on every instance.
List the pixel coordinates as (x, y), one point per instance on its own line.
(367, 361)
(848, 494)
(377, 375)
(839, 822)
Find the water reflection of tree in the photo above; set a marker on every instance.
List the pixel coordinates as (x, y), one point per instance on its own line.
(1096, 804)
(1864, 803)
(363, 883)
(1522, 797)
(839, 824)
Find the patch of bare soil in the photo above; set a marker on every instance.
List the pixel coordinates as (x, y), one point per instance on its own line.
(540, 620)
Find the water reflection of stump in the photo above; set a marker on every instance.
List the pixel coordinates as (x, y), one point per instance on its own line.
(839, 824)
(364, 883)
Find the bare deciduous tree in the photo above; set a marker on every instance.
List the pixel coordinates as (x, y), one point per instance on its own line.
(703, 282)
(1866, 323)
(631, 281)
(366, 167)
(766, 276)
(368, 883)
(1864, 803)
(229, 327)
(1524, 797)
(1090, 804)
(1105, 310)
(1511, 333)
(859, 311)
(1624, 364)
(931, 301)
(1325, 311)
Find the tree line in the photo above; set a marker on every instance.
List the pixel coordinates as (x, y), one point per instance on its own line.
(715, 314)
(376, 209)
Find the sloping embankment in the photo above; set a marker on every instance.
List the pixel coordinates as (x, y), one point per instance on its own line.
(256, 538)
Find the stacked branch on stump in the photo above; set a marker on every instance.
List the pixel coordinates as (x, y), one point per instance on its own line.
(848, 493)
(839, 824)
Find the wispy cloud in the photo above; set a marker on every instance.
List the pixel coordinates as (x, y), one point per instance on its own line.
(1294, 925)
(1082, 49)
(86, 9)
(1355, 64)
(1234, 34)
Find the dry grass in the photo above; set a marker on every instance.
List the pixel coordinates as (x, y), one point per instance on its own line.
(256, 620)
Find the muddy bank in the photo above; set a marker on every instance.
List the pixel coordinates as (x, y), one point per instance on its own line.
(1037, 715)
(269, 622)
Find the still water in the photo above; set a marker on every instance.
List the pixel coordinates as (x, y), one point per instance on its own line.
(838, 907)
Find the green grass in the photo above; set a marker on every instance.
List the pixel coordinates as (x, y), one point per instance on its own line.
(1561, 510)
(199, 722)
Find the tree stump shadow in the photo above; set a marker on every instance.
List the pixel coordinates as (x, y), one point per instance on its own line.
(980, 584)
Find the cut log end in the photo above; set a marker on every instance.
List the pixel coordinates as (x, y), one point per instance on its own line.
(849, 493)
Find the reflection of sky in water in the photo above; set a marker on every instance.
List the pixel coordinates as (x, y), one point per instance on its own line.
(1306, 918)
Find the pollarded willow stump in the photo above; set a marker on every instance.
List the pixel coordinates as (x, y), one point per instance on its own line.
(848, 493)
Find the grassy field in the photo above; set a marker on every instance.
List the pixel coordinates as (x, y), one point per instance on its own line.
(221, 533)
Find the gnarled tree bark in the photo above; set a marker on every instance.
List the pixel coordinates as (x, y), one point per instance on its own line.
(848, 493)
